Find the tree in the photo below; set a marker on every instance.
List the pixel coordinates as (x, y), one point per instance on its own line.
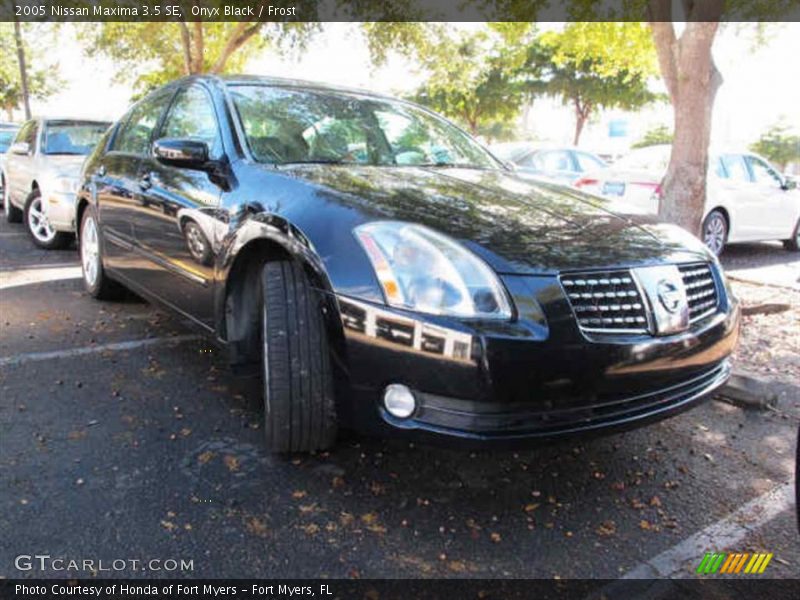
(778, 145)
(41, 82)
(152, 54)
(23, 72)
(692, 80)
(473, 77)
(597, 65)
(655, 137)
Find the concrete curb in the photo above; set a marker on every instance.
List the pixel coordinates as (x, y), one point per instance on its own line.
(751, 391)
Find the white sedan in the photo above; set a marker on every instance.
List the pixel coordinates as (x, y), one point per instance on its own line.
(747, 199)
(40, 174)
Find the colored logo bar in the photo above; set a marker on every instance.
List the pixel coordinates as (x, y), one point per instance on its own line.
(734, 563)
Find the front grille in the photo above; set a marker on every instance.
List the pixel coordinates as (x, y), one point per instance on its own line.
(701, 290)
(607, 301)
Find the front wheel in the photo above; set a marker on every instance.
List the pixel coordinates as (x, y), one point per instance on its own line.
(715, 231)
(299, 406)
(793, 243)
(41, 230)
(95, 280)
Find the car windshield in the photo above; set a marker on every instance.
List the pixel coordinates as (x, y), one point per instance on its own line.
(72, 137)
(6, 137)
(290, 125)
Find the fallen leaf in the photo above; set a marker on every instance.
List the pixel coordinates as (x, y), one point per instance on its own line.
(606, 528)
(495, 537)
(257, 526)
(205, 457)
(231, 462)
(297, 494)
(168, 525)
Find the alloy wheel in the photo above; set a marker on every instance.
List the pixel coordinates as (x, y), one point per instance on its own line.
(38, 223)
(714, 233)
(90, 251)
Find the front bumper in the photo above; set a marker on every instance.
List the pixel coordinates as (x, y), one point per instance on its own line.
(60, 210)
(537, 377)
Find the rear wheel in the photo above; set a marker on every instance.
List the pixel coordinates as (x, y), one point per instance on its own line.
(793, 243)
(95, 279)
(42, 232)
(299, 406)
(13, 214)
(715, 231)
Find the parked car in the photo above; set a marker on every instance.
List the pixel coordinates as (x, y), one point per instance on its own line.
(7, 133)
(41, 173)
(560, 164)
(437, 298)
(747, 199)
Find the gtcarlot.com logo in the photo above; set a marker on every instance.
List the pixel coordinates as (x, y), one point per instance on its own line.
(46, 562)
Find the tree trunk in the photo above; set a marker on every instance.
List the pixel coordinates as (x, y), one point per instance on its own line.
(692, 80)
(582, 112)
(23, 71)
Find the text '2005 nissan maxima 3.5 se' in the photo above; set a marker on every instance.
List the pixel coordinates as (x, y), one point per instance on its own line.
(389, 275)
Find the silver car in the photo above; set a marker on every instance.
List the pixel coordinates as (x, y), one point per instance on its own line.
(41, 173)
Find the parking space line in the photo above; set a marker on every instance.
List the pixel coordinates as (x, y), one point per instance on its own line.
(723, 534)
(19, 359)
(20, 277)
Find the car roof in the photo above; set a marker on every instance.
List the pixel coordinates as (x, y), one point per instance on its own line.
(229, 80)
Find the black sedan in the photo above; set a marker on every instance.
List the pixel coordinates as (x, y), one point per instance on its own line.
(385, 273)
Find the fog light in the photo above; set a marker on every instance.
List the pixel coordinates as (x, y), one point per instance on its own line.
(399, 401)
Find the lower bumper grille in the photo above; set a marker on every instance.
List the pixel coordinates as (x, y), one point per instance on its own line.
(513, 420)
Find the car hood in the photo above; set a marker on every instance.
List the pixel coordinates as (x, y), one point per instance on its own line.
(518, 226)
(63, 165)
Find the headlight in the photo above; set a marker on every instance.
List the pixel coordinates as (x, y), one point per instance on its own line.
(422, 270)
(65, 185)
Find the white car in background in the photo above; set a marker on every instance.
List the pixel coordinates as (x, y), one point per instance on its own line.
(747, 199)
(41, 174)
(561, 164)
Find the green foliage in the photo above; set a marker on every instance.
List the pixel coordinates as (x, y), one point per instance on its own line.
(655, 137)
(151, 54)
(471, 75)
(778, 145)
(597, 65)
(42, 82)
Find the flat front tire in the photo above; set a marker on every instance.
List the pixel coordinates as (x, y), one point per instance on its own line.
(299, 405)
(95, 280)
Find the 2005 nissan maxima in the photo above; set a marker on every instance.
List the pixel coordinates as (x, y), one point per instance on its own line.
(389, 275)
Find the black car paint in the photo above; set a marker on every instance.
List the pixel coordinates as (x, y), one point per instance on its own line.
(528, 232)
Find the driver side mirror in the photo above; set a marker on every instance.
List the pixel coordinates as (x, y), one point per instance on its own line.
(789, 184)
(180, 152)
(21, 148)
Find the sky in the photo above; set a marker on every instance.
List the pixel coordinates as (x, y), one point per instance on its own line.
(760, 86)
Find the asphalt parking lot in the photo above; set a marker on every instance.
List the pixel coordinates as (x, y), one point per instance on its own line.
(124, 436)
